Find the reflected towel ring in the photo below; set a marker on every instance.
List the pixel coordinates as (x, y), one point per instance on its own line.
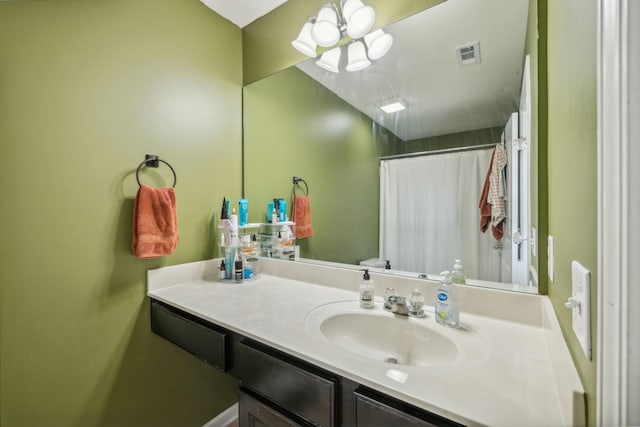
(296, 181)
(153, 161)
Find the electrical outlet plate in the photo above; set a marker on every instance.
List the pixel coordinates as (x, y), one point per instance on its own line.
(580, 319)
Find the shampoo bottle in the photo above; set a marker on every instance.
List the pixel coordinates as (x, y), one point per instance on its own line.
(446, 306)
(366, 291)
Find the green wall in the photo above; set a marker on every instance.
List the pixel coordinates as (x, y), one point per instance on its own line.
(87, 88)
(572, 165)
(339, 162)
(452, 140)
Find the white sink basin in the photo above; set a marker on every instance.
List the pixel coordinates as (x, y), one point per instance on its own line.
(381, 336)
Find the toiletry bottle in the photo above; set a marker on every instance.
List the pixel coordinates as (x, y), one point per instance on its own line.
(446, 306)
(270, 209)
(225, 224)
(458, 277)
(233, 218)
(246, 244)
(286, 235)
(255, 245)
(230, 256)
(238, 272)
(243, 209)
(387, 264)
(366, 291)
(282, 210)
(248, 267)
(223, 271)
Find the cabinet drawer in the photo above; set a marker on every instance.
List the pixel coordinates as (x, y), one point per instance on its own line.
(298, 389)
(255, 413)
(377, 410)
(203, 339)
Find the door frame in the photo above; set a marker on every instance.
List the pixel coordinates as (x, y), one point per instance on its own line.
(618, 236)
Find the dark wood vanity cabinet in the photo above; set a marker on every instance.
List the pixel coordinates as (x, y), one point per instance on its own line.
(255, 412)
(296, 387)
(377, 410)
(279, 390)
(203, 339)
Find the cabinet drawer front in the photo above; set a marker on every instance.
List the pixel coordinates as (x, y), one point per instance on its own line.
(202, 339)
(298, 390)
(254, 413)
(381, 411)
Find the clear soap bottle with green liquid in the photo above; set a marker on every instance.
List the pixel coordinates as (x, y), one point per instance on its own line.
(457, 276)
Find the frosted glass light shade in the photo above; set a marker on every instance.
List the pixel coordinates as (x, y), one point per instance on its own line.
(325, 31)
(330, 60)
(305, 43)
(349, 7)
(359, 18)
(378, 44)
(357, 57)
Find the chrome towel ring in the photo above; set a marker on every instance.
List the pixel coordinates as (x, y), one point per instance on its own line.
(153, 161)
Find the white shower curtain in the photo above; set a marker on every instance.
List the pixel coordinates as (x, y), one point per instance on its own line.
(429, 214)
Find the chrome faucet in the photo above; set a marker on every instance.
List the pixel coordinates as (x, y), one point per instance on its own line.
(399, 305)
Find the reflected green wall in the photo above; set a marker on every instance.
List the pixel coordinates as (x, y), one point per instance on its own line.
(337, 159)
(89, 87)
(572, 165)
(452, 140)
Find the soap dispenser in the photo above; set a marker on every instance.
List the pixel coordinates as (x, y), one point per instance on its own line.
(458, 277)
(446, 307)
(366, 291)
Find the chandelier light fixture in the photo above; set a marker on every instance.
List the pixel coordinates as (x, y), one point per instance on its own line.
(331, 24)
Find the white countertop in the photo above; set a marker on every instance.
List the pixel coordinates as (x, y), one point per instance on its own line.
(515, 384)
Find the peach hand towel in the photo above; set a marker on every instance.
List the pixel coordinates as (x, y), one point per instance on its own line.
(155, 222)
(302, 217)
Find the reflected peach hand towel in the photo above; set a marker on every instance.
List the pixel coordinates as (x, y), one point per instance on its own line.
(302, 217)
(155, 222)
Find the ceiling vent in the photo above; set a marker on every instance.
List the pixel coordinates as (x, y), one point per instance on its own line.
(468, 54)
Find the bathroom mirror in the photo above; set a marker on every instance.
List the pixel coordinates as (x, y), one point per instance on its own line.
(328, 129)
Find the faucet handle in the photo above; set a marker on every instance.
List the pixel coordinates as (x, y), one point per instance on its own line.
(416, 302)
(390, 296)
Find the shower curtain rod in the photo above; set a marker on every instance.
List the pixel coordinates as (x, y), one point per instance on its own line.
(444, 150)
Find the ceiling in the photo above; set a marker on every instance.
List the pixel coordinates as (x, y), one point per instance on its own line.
(242, 12)
(422, 70)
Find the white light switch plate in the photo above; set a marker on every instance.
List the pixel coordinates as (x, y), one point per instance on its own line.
(580, 319)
